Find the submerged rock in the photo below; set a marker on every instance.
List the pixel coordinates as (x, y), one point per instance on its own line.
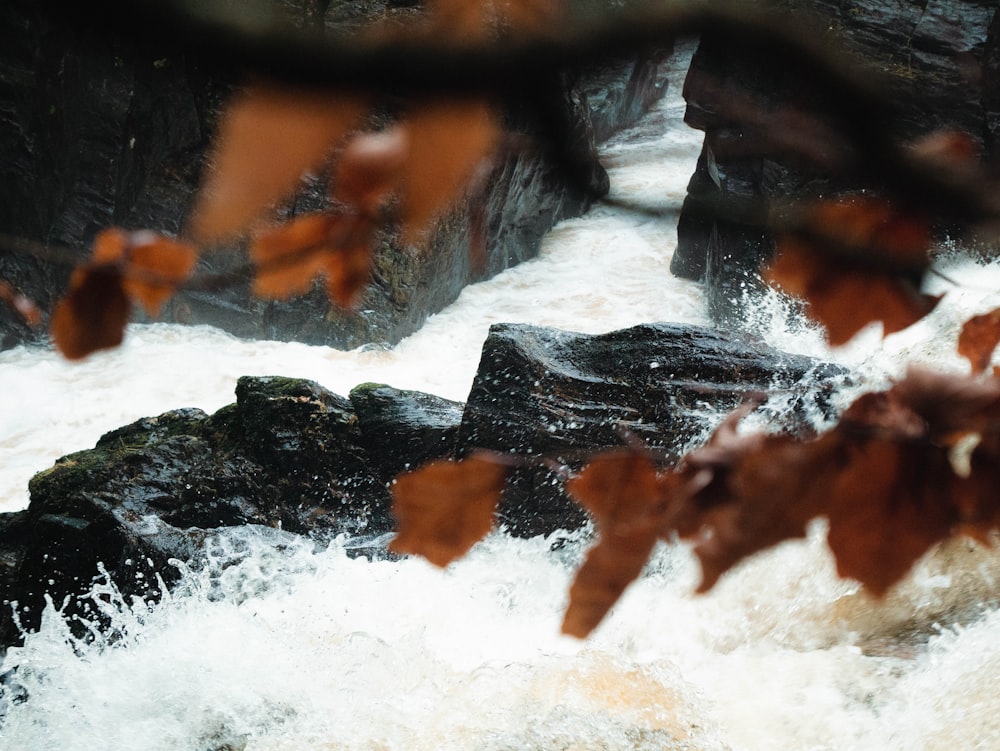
(290, 455)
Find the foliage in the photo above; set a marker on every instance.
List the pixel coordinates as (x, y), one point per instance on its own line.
(901, 471)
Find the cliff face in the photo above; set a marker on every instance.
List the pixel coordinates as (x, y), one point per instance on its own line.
(941, 60)
(99, 130)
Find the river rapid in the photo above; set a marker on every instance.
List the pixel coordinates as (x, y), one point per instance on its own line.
(282, 647)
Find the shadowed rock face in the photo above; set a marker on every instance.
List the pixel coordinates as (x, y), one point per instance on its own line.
(98, 129)
(289, 455)
(941, 59)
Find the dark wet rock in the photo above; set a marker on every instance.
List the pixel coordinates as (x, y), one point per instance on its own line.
(401, 429)
(291, 457)
(99, 129)
(540, 392)
(286, 455)
(939, 60)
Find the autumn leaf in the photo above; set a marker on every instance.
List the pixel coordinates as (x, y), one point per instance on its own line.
(20, 303)
(459, 19)
(370, 168)
(93, 313)
(449, 141)
(890, 503)
(947, 404)
(288, 257)
(268, 138)
(852, 264)
(948, 149)
(531, 15)
(979, 338)
(767, 494)
(124, 267)
(896, 492)
(155, 266)
(976, 498)
(348, 270)
(445, 507)
(152, 266)
(741, 493)
(623, 493)
(291, 255)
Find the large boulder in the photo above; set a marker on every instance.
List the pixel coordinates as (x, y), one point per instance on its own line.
(939, 62)
(286, 455)
(292, 457)
(546, 394)
(104, 129)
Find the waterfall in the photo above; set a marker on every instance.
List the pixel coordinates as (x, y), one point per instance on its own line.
(274, 645)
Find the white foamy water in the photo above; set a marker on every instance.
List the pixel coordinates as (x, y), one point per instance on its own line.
(275, 646)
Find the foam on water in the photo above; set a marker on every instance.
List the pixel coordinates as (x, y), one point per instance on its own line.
(272, 645)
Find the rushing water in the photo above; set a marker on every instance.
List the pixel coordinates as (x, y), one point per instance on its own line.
(275, 646)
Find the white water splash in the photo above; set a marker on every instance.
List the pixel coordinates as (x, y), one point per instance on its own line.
(275, 646)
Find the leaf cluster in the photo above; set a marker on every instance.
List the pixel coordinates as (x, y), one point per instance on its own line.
(903, 469)
(402, 175)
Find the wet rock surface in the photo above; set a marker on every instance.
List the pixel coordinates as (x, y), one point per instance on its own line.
(562, 396)
(940, 60)
(291, 456)
(102, 129)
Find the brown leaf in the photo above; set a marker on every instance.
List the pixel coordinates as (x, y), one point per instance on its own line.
(846, 299)
(772, 490)
(93, 313)
(269, 137)
(851, 261)
(291, 255)
(109, 247)
(459, 19)
(370, 169)
(622, 491)
(950, 149)
(976, 496)
(949, 404)
(152, 266)
(288, 257)
(449, 140)
(21, 303)
(532, 15)
(156, 266)
(348, 269)
(742, 493)
(890, 504)
(445, 507)
(979, 338)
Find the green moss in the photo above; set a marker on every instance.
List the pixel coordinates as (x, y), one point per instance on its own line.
(369, 386)
(72, 472)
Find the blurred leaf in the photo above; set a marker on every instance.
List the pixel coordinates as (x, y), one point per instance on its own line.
(20, 303)
(979, 338)
(93, 313)
(852, 263)
(155, 267)
(623, 493)
(445, 507)
(370, 168)
(449, 142)
(291, 255)
(269, 137)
